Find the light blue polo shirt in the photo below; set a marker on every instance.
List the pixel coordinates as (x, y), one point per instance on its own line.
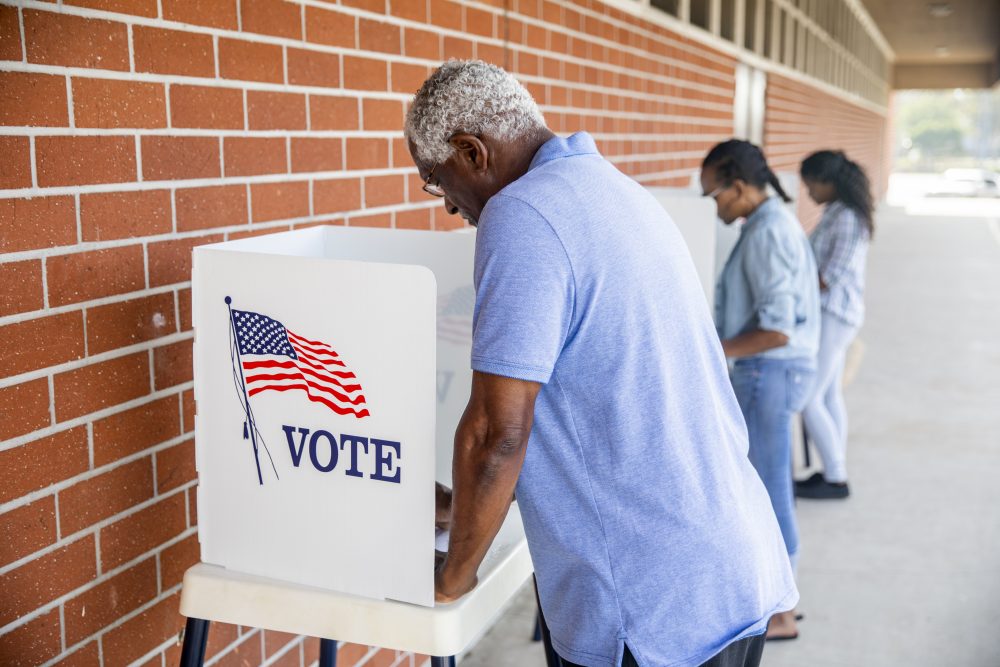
(646, 523)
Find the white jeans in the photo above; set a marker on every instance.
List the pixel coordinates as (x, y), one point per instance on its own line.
(825, 415)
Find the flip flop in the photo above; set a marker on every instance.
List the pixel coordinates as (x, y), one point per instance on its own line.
(781, 638)
(800, 617)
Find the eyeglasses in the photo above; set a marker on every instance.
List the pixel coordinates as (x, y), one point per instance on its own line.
(433, 189)
(714, 194)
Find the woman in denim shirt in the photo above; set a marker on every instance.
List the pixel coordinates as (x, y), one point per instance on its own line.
(767, 315)
(840, 243)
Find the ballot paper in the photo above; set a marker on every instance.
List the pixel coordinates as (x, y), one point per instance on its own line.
(441, 538)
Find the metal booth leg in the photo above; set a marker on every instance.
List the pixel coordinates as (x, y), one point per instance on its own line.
(443, 662)
(195, 638)
(327, 653)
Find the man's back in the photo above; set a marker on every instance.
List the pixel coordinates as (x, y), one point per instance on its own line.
(647, 524)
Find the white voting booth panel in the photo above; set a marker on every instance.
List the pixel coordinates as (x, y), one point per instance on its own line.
(695, 217)
(331, 368)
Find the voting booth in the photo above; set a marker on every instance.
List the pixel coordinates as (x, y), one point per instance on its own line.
(331, 368)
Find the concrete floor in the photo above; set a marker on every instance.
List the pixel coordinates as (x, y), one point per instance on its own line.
(907, 571)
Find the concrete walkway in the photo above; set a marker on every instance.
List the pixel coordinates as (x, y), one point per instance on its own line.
(907, 571)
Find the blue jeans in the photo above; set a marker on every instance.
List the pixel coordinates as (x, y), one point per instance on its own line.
(770, 392)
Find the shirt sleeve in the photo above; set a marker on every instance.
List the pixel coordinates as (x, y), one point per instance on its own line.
(770, 272)
(524, 293)
(844, 239)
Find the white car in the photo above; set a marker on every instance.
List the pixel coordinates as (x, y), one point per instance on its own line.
(967, 183)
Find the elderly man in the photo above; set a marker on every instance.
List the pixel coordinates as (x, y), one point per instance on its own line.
(600, 391)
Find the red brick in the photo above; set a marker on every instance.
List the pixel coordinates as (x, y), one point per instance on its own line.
(173, 52)
(95, 274)
(125, 323)
(10, 36)
(456, 47)
(113, 103)
(83, 160)
(134, 430)
(250, 233)
(212, 13)
(490, 53)
(378, 36)
(384, 190)
(63, 341)
(312, 68)
(32, 401)
(367, 153)
(329, 27)
(139, 635)
(446, 14)
(192, 495)
(72, 41)
(184, 304)
(277, 201)
(121, 215)
(136, 7)
(378, 220)
(274, 641)
(251, 61)
(316, 154)
(422, 44)
(65, 453)
(335, 196)
(272, 17)
(401, 154)
(33, 99)
(95, 609)
(143, 531)
(333, 113)
(276, 111)
(33, 643)
(375, 6)
(188, 405)
(87, 502)
(28, 528)
(249, 156)
(46, 578)
(170, 261)
(176, 559)
(40, 222)
(408, 78)
(478, 22)
(348, 653)
(220, 637)
(206, 107)
(166, 158)
(245, 653)
(416, 219)
(15, 168)
(414, 11)
(20, 287)
(365, 74)
(175, 466)
(101, 385)
(172, 364)
(83, 657)
(215, 206)
(383, 115)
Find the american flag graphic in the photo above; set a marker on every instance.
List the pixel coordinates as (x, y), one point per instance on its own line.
(454, 317)
(277, 359)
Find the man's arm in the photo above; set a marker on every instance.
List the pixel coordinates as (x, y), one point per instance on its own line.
(490, 444)
(753, 342)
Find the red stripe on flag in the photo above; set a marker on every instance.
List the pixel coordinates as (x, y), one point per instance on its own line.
(317, 399)
(296, 375)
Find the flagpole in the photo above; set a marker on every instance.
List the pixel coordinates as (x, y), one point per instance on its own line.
(243, 386)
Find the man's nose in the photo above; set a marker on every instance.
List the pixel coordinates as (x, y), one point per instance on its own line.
(450, 206)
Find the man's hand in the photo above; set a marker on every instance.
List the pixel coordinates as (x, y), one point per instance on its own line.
(442, 506)
(446, 591)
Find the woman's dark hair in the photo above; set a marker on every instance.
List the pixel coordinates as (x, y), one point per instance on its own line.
(849, 181)
(740, 160)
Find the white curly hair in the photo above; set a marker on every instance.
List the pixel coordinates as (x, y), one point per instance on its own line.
(468, 96)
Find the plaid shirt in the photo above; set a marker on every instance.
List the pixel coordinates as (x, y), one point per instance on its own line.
(840, 243)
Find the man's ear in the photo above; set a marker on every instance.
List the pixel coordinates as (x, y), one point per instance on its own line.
(473, 154)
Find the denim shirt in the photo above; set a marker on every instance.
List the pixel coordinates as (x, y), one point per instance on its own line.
(840, 243)
(770, 282)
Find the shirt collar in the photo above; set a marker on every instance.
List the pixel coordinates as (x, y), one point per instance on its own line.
(580, 143)
(766, 209)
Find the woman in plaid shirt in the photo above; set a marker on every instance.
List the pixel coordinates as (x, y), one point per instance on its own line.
(840, 243)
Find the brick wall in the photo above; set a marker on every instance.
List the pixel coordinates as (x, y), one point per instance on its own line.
(800, 119)
(133, 130)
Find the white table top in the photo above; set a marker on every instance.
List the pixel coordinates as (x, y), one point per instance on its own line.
(214, 593)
